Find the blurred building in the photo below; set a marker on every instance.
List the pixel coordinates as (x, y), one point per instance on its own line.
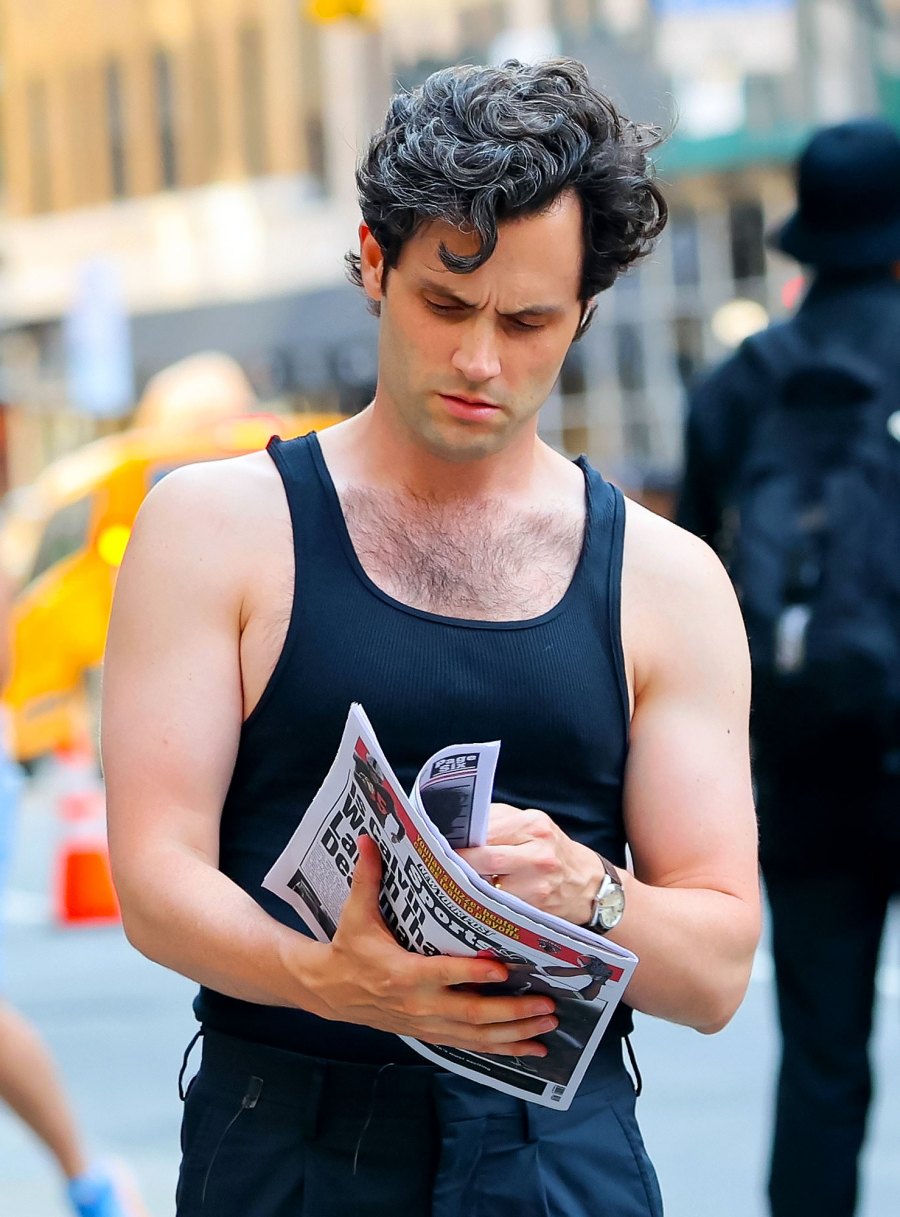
(178, 176)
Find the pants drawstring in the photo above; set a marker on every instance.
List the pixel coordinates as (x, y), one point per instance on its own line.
(638, 1080)
(250, 1099)
(182, 1089)
(369, 1113)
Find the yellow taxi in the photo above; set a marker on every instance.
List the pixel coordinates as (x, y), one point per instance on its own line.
(61, 542)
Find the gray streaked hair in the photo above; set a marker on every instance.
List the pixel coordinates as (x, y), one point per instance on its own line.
(475, 146)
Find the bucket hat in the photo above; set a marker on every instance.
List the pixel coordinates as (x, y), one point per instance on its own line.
(848, 189)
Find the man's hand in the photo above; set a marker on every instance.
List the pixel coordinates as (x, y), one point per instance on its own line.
(535, 860)
(364, 976)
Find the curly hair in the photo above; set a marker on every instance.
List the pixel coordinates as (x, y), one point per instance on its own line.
(475, 146)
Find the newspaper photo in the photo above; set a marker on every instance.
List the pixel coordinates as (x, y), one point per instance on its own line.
(435, 904)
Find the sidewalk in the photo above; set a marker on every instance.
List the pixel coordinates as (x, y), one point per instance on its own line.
(116, 1023)
(119, 1024)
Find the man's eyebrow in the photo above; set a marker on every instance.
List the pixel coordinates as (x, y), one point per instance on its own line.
(531, 310)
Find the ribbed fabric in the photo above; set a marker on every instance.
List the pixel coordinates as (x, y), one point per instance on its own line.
(551, 688)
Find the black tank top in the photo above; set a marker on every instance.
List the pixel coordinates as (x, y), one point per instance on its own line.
(552, 689)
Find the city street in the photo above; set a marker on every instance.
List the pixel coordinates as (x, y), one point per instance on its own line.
(119, 1025)
(474, 273)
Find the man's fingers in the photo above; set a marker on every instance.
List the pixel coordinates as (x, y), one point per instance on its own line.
(502, 1018)
(505, 1039)
(521, 1030)
(450, 970)
(502, 858)
(460, 1015)
(477, 1010)
(521, 1048)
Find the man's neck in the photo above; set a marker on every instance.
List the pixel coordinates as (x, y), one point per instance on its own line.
(370, 450)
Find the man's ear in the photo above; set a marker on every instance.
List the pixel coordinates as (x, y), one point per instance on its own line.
(371, 263)
(588, 308)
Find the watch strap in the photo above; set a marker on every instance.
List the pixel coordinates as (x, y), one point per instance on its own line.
(610, 869)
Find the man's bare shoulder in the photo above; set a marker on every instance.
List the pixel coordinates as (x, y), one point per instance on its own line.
(678, 605)
(225, 498)
(666, 557)
(209, 529)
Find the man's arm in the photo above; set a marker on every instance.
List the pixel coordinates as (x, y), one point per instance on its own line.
(692, 904)
(172, 713)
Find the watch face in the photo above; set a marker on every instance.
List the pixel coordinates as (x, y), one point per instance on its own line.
(611, 908)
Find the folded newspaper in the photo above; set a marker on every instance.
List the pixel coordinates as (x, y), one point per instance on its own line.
(436, 904)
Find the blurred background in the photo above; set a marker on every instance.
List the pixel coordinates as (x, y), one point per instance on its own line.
(177, 196)
(178, 176)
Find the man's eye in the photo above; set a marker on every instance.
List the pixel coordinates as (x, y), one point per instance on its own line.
(442, 308)
(519, 324)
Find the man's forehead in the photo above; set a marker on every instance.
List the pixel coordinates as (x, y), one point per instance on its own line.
(562, 212)
(536, 265)
(514, 298)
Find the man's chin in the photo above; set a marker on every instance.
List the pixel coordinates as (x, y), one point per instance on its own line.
(460, 449)
(459, 442)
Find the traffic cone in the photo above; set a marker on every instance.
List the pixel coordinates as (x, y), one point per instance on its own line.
(84, 891)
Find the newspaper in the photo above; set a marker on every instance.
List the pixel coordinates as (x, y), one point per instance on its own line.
(436, 904)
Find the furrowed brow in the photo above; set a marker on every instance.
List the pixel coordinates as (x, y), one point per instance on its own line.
(535, 310)
(531, 310)
(437, 289)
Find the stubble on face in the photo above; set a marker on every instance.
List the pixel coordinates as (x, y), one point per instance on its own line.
(497, 335)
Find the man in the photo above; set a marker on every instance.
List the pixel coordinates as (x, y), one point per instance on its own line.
(434, 560)
(807, 410)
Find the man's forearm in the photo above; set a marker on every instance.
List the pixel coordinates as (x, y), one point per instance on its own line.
(181, 912)
(695, 948)
(199, 923)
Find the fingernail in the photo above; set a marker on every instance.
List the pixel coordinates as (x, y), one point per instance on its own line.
(496, 974)
(549, 1024)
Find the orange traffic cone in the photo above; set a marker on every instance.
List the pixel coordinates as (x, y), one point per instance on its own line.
(84, 886)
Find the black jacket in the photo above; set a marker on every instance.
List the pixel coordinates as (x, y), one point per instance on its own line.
(856, 313)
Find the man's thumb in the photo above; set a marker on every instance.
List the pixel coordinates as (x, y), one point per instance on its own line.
(368, 870)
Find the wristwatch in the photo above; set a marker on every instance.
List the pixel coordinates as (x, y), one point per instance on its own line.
(609, 902)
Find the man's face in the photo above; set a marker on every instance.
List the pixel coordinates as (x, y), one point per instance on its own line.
(467, 360)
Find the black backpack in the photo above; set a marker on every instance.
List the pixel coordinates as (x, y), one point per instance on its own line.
(815, 549)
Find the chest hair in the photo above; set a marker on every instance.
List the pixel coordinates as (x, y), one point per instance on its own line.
(477, 559)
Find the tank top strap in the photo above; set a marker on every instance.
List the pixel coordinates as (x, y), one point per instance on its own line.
(602, 569)
(604, 529)
(311, 512)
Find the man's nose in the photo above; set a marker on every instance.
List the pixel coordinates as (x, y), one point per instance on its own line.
(477, 357)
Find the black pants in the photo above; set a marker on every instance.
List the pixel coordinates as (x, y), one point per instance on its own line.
(831, 862)
(268, 1133)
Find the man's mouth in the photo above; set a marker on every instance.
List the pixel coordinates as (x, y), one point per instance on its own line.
(473, 408)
